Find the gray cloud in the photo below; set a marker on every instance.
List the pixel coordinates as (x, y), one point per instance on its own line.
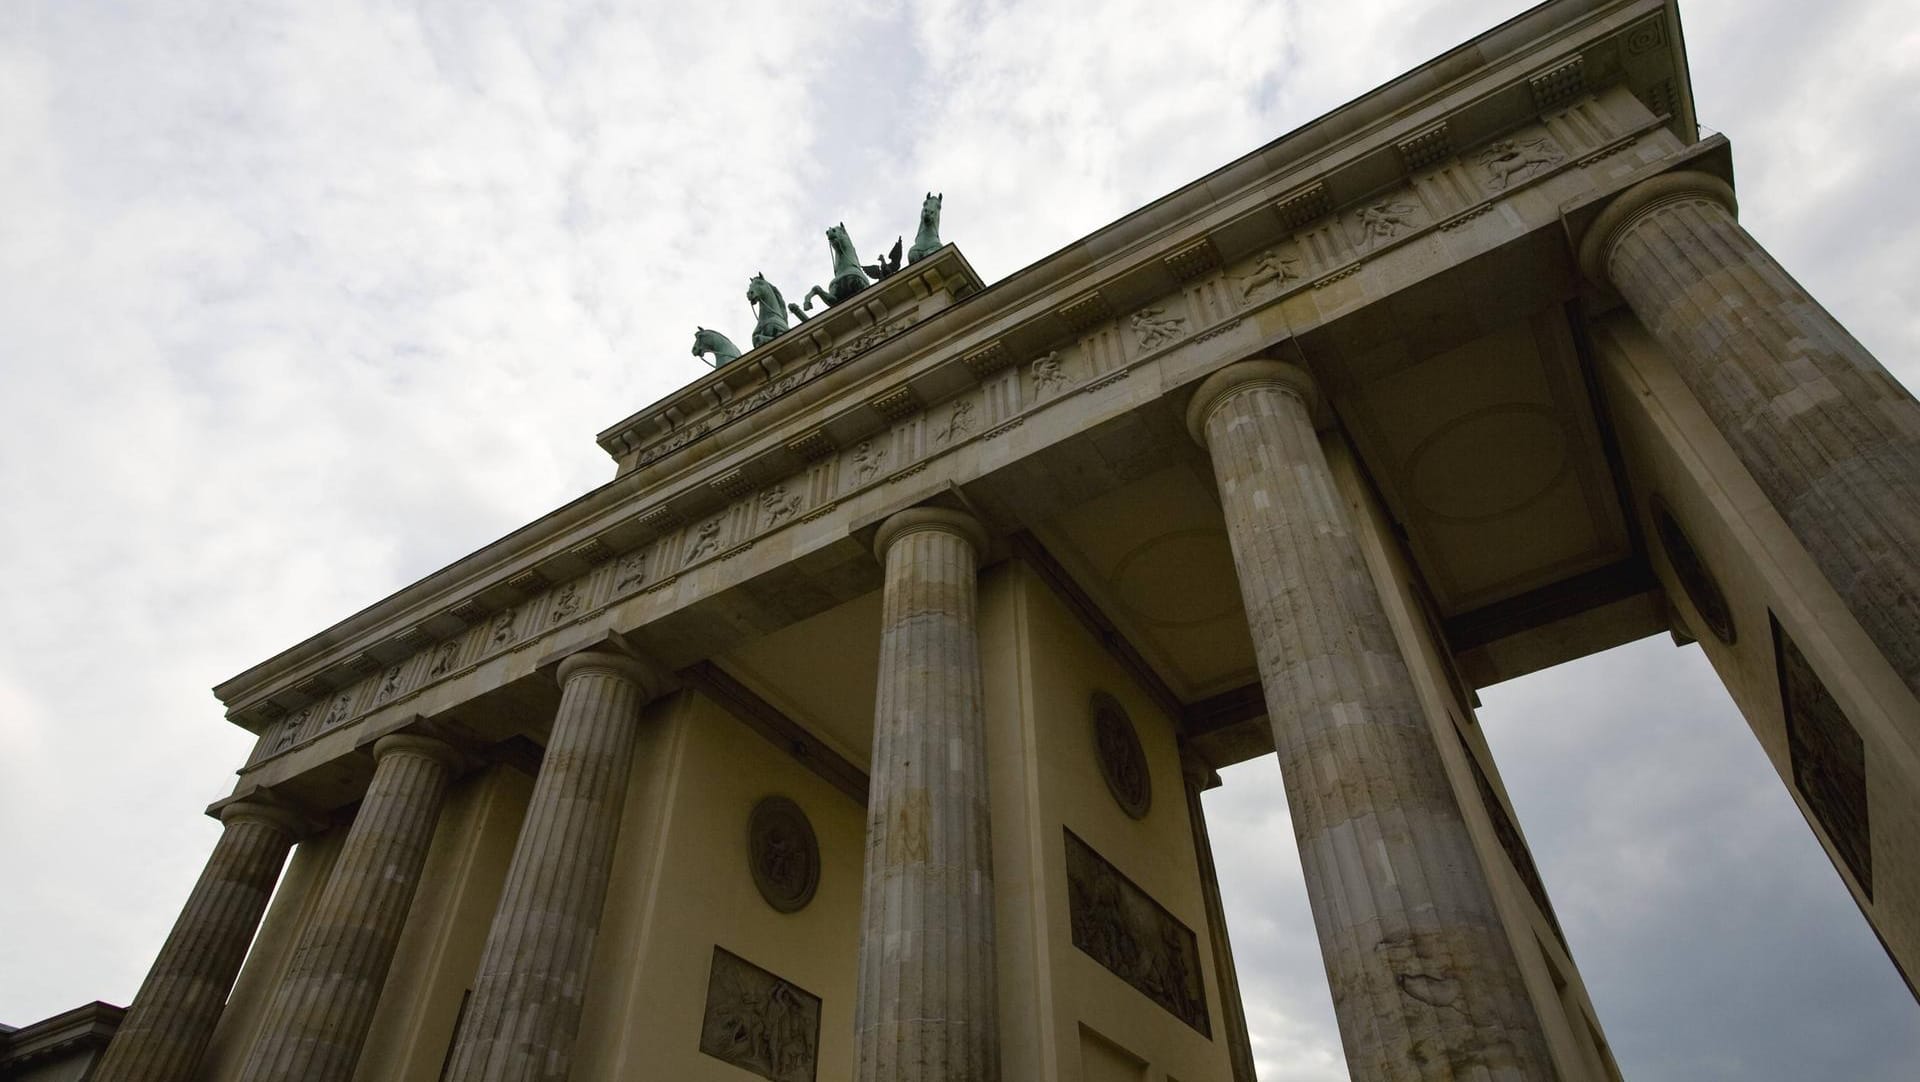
(299, 302)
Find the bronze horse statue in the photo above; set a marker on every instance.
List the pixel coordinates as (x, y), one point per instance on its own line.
(848, 276)
(769, 310)
(927, 241)
(710, 341)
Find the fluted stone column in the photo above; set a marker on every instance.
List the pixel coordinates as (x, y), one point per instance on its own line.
(318, 1017)
(1831, 437)
(525, 1010)
(1197, 777)
(925, 1010)
(166, 1030)
(1425, 984)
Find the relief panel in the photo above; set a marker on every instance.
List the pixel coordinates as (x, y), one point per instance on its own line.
(1120, 926)
(760, 1023)
(1829, 759)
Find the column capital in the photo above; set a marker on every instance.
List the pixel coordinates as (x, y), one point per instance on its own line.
(1596, 246)
(940, 519)
(1246, 376)
(289, 821)
(651, 681)
(411, 743)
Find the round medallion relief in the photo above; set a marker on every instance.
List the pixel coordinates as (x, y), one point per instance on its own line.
(783, 854)
(1701, 587)
(1123, 762)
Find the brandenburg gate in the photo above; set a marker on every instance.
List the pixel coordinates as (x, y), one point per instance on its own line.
(856, 727)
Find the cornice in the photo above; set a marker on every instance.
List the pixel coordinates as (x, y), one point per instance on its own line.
(1311, 183)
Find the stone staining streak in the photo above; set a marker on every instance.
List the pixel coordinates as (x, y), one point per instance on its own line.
(1048, 378)
(1829, 760)
(926, 1010)
(1120, 926)
(1429, 146)
(1154, 327)
(1827, 433)
(1192, 261)
(1510, 160)
(1559, 84)
(166, 1029)
(1425, 982)
(760, 1023)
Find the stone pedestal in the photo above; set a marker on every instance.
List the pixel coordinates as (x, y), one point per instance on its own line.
(1829, 435)
(525, 1009)
(166, 1029)
(319, 1014)
(1425, 984)
(927, 999)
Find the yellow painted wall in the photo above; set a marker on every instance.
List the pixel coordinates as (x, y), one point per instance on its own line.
(681, 885)
(1673, 449)
(1063, 1015)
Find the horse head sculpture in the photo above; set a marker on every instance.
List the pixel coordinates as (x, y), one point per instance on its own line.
(927, 240)
(710, 341)
(769, 310)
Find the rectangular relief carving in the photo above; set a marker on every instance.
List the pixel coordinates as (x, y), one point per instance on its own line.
(1120, 926)
(1829, 759)
(759, 1022)
(1510, 839)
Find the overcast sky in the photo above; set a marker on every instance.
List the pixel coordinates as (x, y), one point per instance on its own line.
(300, 301)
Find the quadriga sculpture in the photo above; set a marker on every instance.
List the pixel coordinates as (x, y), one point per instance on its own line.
(769, 310)
(927, 240)
(848, 278)
(710, 341)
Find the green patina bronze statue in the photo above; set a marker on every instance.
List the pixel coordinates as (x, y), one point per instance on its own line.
(709, 341)
(927, 241)
(848, 278)
(769, 310)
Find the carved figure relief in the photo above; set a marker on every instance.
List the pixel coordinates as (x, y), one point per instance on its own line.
(1153, 327)
(1829, 759)
(389, 684)
(290, 730)
(630, 572)
(1047, 374)
(1271, 268)
(779, 504)
(867, 459)
(758, 1022)
(444, 656)
(1508, 160)
(341, 709)
(959, 422)
(1383, 221)
(1120, 926)
(566, 603)
(783, 853)
(503, 627)
(705, 540)
(1123, 762)
(1696, 580)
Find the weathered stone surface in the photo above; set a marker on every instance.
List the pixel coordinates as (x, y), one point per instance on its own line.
(172, 1016)
(1830, 436)
(926, 1007)
(319, 1014)
(525, 1010)
(1424, 982)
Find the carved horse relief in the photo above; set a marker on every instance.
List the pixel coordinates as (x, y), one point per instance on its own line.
(927, 240)
(711, 341)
